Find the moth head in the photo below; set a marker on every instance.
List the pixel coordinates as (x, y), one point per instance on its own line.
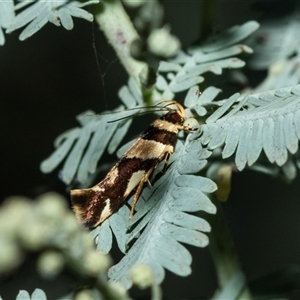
(174, 106)
(175, 114)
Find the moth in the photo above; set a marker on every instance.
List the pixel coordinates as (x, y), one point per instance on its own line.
(93, 205)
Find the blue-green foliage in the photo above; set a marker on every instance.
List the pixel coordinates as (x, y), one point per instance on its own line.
(162, 221)
(215, 55)
(36, 14)
(38, 294)
(248, 124)
(96, 134)
(7, 15)
(243, 125)
(275, 41)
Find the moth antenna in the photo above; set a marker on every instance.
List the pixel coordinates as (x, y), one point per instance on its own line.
(134, 115)
(155, 108)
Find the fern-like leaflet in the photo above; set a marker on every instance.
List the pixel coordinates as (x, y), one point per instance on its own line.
(39, 13)
(37, 294)
(248, 124)
(161, 222)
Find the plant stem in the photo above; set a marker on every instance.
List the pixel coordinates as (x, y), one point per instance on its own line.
(119, 31)
(223, 251)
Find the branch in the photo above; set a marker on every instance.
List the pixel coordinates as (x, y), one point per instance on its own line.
(119, 31)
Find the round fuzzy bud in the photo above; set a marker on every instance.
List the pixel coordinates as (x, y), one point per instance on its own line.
(96, 262)
(84, 295)
(162, 43)
(10, 255)
(141, 276)
(50, 263)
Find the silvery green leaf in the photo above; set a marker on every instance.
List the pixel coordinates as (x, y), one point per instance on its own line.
(200, 110)
(185, 70)
(180, 218)
(290, 133)
(118, 224)
(191, 98)
(131, 94)
(184, 235)
(80, 13)
(34, 26)
(180, 58)
(269, 123)
(208, 132)
(117, 138)
(280, 149)
(275, 40)
(227, 52)
(165, 66)
(296, 90)
(103, 237)
(219, 136)
(236, 108)
(172, 263)
(185, 84)
(38, 294)
(7, 15)
(115, 225)
(216, 67)
(135, 90)
(220, 111)
(268, 139)
(231, 36)
(208, 95)
(65, 18)
(161, 83)
(187, 166)
(257, 136)
(63, 144)
(23, 295)
(73, 160)
(59, 12)
(167, 221)
(82, 148)
(297, 123)
(182, 254)
(232, 139)
(244, 144)
(29, 14)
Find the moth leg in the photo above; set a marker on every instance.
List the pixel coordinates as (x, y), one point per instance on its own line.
(165, 157)
(185, 128)
(139, 190)
(166, 160)
(147, 175)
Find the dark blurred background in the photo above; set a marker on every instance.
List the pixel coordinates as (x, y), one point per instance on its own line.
(53, 76)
